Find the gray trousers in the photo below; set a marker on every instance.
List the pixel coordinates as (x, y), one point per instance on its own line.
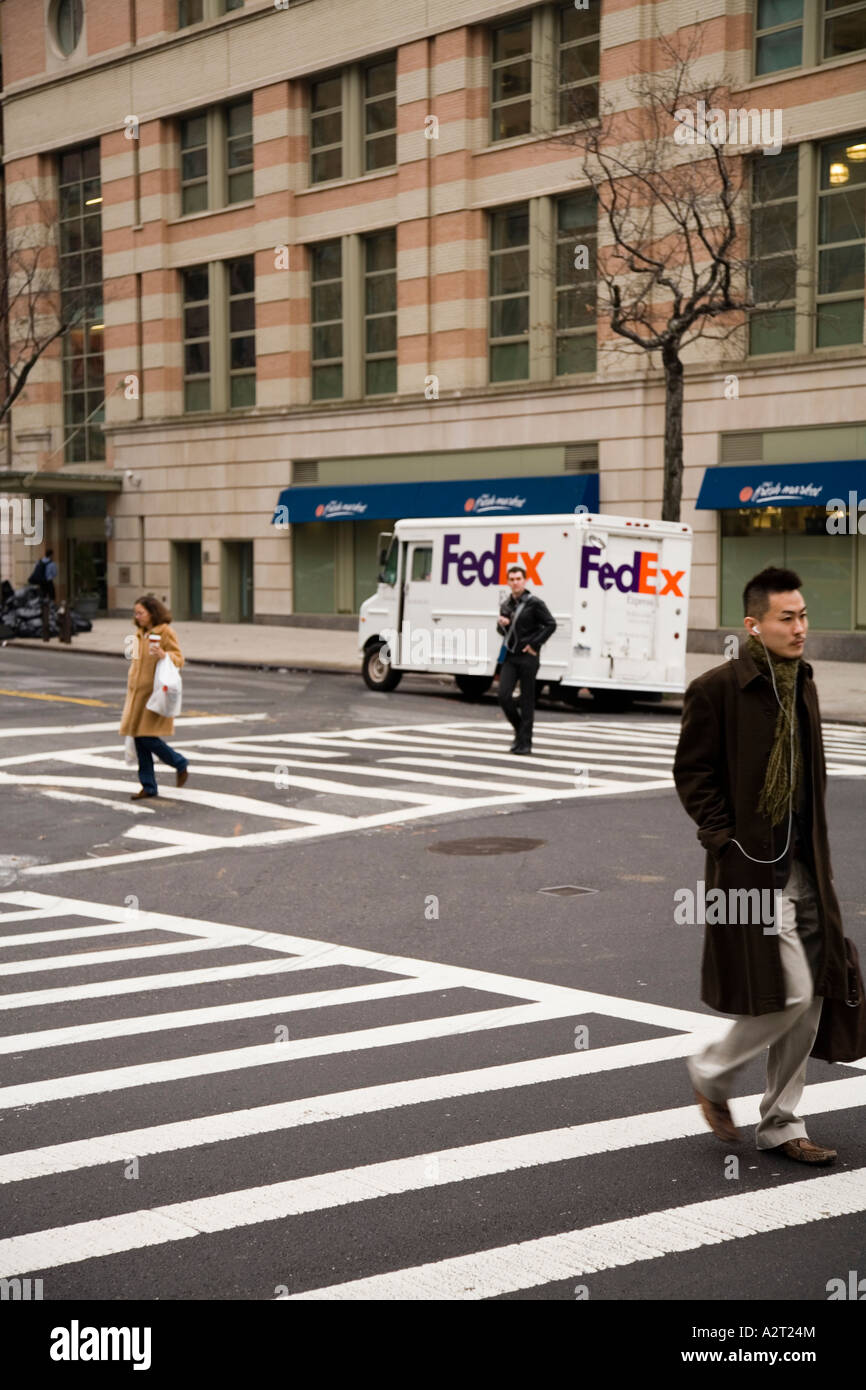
(788, 1033)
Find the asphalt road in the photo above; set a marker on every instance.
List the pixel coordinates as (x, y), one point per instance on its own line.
(515, 1076)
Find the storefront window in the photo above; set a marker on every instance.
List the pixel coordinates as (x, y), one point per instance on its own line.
(794, 538)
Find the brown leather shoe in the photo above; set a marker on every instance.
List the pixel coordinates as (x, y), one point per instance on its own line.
(719, 1119)
(180, 779)
(142, 796)
(804, 1151)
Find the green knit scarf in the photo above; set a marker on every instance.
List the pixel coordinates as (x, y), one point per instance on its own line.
(775, 793)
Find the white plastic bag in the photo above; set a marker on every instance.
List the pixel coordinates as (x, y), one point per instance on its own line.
(167, 689)
(130, 757)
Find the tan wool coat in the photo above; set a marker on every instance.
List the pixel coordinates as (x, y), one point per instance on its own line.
(136, 720)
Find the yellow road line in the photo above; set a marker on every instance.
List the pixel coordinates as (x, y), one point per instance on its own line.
(65, 699)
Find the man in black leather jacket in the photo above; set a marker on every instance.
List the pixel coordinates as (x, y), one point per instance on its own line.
(525, 622)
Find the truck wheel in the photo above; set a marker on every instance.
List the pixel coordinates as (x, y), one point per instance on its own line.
(612, 701)
(378, 673)
(570, 695)
(473, 687)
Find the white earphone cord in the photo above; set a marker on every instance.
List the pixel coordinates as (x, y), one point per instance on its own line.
(790, 718)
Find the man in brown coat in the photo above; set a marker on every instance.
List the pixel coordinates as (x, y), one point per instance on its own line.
(750, 772)
(154, 638)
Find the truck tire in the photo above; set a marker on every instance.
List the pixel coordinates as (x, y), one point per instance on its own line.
(473, 687)
(379, 674)
(612, 701)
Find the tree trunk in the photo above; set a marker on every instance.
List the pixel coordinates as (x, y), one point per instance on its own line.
(673, 477)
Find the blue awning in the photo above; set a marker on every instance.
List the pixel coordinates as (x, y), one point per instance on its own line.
(782, 485)
(469, 497)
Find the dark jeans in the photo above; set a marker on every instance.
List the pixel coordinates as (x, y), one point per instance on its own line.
(522, 667)
(145, 748)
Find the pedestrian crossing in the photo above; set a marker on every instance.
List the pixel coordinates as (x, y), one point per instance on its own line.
(184, 1095)
(262, 788)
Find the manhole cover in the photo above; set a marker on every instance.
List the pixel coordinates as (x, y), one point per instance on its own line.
(494, 844)
(567, 890)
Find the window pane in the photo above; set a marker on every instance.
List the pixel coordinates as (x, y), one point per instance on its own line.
(194, 198)
(509, 318)
(575, 354)
(509, 362)
(327, 130)
(576, 308)
(328, 165)
(515, 80)
(575, 212)
(195, 284)
(382, 334)
(70, 167)
(242, 352)
(381, 153)
(240, 118)
(70, 201)
(381, 296)
(578, 104)
(93, 231)
(840, 323)
(327, 383)
(775, 176)
(781, 50)
(193, 131)
(772, 332)
(196, 322)
(242, 314)
(241, 275)
(381, 78)
(836, 153)
(774, 229)
(579, 24)
(94, 371)
(510, 227)
(840, 269)
(512, 40)
(380, 252)
(327, 93)
(773, 12)
(327, 260)
(327, 302)
(843, 216)
(240, 152)
(241, 187)
(381, 377)
(193, 164)
(327, 341)
(774, 280)
(845, 34)
(578, 62)
(380, 115)
(511, 121)
(196, 395)
(196, 358)
(243, 390)
(509, 272)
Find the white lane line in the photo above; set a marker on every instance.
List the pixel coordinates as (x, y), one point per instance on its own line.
(221, 801)
(106, 726)
(475, 1276)
(274, 1053)
(528, 1264)
(526, 770)
(36, 966)
(218, 1013)
(72, 934)
(97, 801)
(433, 745)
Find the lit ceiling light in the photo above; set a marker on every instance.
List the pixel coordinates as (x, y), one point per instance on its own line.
(838, 173)
(856, 152)
(88, 202)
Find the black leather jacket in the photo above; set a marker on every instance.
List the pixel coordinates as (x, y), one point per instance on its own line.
(535, 622)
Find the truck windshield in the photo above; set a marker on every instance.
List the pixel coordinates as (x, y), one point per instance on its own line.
(389, 569)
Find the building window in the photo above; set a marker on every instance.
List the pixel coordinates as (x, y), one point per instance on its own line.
(841, 242)
(778, 35)
(68, 20)
(576, 238)
(196, 338)
(219, 364)
(195, 11)
(773, 259)
(80, 235)
(216, 157)
(193, 164)
(380, 314)
(844, 27)
(242, 332)
(327, 320)
(511, 81)
(380, 115)
(361, 98)
(509, 293)
(578, 65)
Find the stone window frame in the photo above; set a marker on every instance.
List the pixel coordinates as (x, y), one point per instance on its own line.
(813, 23)
(218, 173)
(546, 57)
(355, 140)
(218, 336)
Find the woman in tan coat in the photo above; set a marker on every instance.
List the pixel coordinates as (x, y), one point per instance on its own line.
(153, 639)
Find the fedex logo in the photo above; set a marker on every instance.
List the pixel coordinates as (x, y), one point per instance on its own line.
(640, 577)
(491, 566)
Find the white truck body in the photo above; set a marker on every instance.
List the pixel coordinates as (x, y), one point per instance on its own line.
(617, 586)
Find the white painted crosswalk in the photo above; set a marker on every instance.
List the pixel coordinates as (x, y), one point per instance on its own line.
(262, 788)
(66, 1037)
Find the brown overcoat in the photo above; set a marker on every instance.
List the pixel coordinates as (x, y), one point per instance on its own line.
(729, 718)
(137, 720)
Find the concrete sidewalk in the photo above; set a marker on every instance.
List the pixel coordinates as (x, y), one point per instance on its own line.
(841, 684)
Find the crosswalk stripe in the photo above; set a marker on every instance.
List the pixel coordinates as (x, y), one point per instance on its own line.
(105, 726)
(38, 964)
(610, 1245)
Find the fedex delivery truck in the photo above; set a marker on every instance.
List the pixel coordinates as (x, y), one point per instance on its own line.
(617, 586)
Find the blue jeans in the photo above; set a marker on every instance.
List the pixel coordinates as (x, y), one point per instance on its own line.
(145, 748)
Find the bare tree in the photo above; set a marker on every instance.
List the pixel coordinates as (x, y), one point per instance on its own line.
(673, 263)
